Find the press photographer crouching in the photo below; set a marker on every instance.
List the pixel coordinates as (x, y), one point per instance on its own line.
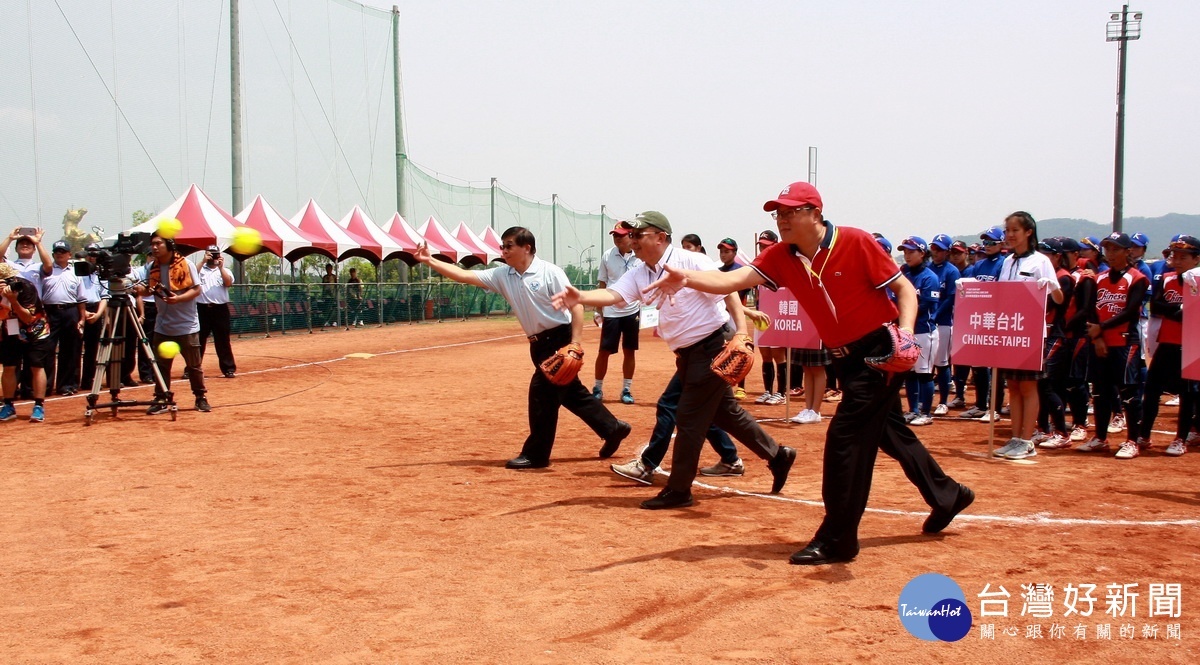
(24, 335)
(174, 283)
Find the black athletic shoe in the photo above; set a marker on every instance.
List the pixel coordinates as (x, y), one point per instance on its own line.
(613, 441)
(939, 520)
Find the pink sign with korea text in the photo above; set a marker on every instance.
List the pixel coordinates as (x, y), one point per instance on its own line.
(1191, 334)
(999, 324)
(790, 326)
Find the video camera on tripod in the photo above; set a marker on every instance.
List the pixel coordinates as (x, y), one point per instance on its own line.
(113, 261)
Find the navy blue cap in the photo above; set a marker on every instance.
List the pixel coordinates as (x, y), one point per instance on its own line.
(1119, 239)
(1052, 245)
(1069, 244)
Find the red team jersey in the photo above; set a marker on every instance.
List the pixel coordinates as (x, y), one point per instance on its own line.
(1111, 298)
(841, 288)
(1170, 331)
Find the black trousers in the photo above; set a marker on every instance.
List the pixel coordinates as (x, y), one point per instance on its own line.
(91, 344)
(64, 372)
(1165, 374)
(145, 374)
(869, 419)
(707, 400)
(214, 319)
(545, 398)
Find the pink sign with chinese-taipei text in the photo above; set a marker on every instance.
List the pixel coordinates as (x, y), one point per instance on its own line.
(999, 324)
(790, 326)
(1191, 334)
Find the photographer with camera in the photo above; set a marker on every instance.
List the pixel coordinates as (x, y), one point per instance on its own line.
(24, 336)
(96, 295)
(29, 242)
(175, 285)
(213, 307)
(66, 305)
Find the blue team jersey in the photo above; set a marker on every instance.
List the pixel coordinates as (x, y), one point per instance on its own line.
(986, 269)
(928, 296)
(948, 275)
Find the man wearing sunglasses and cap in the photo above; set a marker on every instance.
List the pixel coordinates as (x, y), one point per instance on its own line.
(840, 278)
(618, 325)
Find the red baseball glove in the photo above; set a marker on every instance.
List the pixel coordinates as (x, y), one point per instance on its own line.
(734, 362)
(562, 367)
(903, 355)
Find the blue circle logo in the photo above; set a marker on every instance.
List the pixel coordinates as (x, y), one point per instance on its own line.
(934, 608)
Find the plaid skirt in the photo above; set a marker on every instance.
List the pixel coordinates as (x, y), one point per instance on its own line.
(811, 357)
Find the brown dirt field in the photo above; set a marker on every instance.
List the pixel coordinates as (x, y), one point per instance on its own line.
(357, 511)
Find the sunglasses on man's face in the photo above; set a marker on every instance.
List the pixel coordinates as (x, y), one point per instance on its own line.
(638, 235)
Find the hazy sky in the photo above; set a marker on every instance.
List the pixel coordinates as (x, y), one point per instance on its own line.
(927, 116)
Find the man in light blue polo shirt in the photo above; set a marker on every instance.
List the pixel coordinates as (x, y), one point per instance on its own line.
(527, 283)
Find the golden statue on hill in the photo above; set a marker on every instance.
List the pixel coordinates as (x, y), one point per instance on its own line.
(74, 237)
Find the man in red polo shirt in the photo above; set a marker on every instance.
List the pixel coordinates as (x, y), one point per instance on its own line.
(838, 274)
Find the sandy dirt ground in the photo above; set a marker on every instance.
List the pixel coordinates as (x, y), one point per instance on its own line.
(356, 510)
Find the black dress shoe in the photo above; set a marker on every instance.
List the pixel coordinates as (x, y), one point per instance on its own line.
(939, 520)
(819, 553)
(128, 382)
(523, 462)
(230, 375)
(669, 498)
(613, 441)
(781, 466)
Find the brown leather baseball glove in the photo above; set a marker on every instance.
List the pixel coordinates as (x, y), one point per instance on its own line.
(904, 354)
(562, 367)
(735, 361)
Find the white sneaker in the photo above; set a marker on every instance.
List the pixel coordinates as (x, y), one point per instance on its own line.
(1079, 434)
(723, 469)
(762, 399)
(775, 399)
(807, 417)
(1192, 439)
(1055, 442)
(634, 470)
(1023, 449)
(1011, 445)
(1128, 450)
(1174, 401)
(1117, 424)
(1176, 448)
(910, 416)
(1038, 437)
(941, 410)
(922, 420)
(987, 418)
(1093, 446)
(1091, 409)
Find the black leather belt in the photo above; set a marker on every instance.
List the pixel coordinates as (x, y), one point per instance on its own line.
(56, 306)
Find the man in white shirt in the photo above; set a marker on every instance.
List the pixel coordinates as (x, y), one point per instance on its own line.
(28, 267)
(213, 307)
(62, 295)
(695, 326)
(618, 325)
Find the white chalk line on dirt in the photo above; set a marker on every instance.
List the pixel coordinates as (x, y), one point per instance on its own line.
(1039, 519)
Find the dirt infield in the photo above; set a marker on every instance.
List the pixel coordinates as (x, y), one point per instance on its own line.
(356, 510)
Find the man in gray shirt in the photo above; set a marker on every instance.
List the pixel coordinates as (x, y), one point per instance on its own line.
(175, 284)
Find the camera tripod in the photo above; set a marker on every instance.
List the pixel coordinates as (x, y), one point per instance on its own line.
(120, 319)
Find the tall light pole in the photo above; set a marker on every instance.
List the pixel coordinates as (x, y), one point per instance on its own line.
(580, 263)
(1122, 28)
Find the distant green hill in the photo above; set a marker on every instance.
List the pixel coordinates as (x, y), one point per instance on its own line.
(1158, 229)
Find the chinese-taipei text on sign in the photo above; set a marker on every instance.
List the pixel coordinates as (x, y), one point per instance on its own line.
(790, 326)
(999, 324)
(1191, 334)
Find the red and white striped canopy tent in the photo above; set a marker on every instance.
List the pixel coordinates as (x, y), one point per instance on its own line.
(204, 222)
(360, 225)
(491, 239)
(405, 236)
(278, 237)
(441, 243)
(477, 246)
(315, 223)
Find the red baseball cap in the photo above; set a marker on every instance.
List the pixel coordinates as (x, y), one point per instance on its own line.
(796, 195)
(619, 230)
